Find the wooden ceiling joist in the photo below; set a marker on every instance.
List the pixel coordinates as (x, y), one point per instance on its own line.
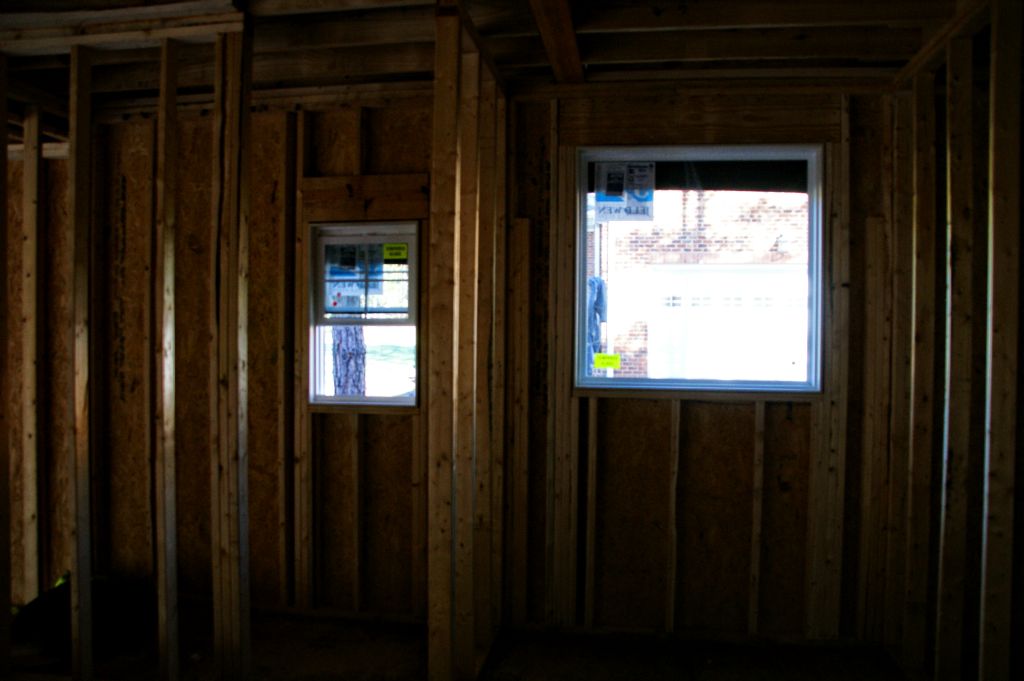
(554, 20)
(405, 25)
(274, 8)
(714, 14)
(48, 33)
(857, 43)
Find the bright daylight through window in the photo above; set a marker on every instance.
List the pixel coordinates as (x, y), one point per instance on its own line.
(699, 268)
(363, 333)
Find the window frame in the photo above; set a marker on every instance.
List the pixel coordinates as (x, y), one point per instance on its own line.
(813, 155)
(322, 234)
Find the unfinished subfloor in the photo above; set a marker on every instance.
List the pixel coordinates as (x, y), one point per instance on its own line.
(321, 648)
(545, 657)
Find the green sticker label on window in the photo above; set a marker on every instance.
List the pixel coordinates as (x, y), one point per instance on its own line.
(396, 252)
(606, 361)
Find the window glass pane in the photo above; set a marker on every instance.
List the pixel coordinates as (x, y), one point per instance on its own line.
(366, 281)
(363, 327)
(712, 289)
(365, 362)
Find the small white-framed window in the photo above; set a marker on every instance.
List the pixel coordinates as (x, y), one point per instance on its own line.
(364, 308)
(699, 268)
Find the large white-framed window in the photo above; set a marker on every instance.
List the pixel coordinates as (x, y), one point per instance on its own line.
(364, 309)
(699, 268)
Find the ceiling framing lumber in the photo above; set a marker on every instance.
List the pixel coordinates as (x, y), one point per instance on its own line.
(57, 38)
(81, 18)
(708, 15)
(862, 44)
(966, 21)
(273, 8)
(554, 20)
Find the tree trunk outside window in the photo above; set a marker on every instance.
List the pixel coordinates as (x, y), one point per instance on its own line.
(349, 361)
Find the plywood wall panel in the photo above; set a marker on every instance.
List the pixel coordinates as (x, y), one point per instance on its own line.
(335, 441)
(193, 256)
(55, 378)
(269, 303)
(387, 513)
(396, 139)
(633, 462)
(784, 529)
(124, 227)
(714, 518)
(335, 143)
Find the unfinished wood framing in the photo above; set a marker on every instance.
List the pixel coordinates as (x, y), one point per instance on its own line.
(23, 384)
(753, 613)
(418, 474)
(352, 447)
(591, 530)
(164, 367)
(828, 465)
(554, 19)
(302, 457)
(505, 497)
(518, 363)
(962, 410)
(442, 296)
(229, 463)
(900, 395)
(79, 200)
(466, 461)
(56, 32)
(497, 369)
(553, 501)
(5, 444)
(484, 510)
(877, 333)
(671, 531)
(925, 389)
(563, 407)
(1002, 329)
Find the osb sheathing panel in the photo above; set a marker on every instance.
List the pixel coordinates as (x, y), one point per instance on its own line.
(121, 324)
(335, 145)
(533, 201)
(634, 458)
(397, 139)
(714, 517)
(387, 513)
(55, 378)
(193, 257)
(784, 519)
(269, 365)
(336, 509)
(673, 118)
(12, 268)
